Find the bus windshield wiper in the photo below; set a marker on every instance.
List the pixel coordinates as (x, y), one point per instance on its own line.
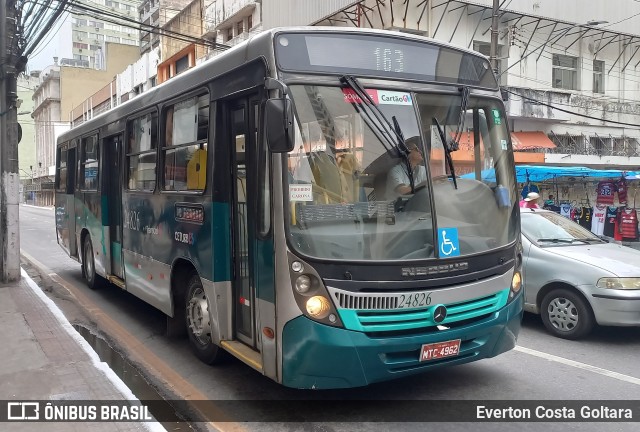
(379, 123)
(448, 148)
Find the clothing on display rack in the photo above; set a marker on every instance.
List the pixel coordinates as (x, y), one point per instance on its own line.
(605, 190)
(628, 224)
(621, 188)
(598, 218)
(565, 209)
(610, 221)
(584, 217)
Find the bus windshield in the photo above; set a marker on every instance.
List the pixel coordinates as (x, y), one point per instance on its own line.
(354, 195)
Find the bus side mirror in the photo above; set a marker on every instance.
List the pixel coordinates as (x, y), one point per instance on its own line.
(279, 123)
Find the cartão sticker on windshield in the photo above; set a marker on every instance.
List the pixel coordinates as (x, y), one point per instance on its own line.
(394, 98)
(379, 97)
(503, 143)
(448, 243)
(300, 192)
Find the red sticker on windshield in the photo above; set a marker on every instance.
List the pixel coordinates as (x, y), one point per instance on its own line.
(351, 97)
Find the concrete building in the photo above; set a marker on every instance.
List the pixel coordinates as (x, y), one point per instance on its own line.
(78, 84)
(180, 54)
(571, 79)
(88, 26)
(27, 146)
(60, 91)
(154, 14)
(232, 21)
(48, 126)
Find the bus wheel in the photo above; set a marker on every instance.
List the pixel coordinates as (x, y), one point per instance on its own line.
(199, 323)
(88, 264)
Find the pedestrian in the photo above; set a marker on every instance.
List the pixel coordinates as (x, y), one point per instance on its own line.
(531, 200)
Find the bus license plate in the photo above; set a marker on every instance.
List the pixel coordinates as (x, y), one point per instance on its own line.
(440, 350)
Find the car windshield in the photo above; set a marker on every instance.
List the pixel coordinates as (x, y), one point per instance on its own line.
(358, 192)
(549, 229)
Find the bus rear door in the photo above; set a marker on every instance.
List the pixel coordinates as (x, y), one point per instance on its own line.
(113, 193)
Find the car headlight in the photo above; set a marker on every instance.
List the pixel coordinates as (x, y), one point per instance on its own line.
(619, 283)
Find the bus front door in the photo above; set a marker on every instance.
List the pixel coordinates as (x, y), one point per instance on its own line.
(241, 142)
(113, 192)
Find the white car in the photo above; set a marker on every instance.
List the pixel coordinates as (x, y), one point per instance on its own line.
(574, 279)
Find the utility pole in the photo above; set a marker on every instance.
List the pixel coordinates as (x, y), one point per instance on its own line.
(493, 57)
(11, 63)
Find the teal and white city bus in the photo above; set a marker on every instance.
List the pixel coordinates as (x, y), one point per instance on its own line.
(297, 201)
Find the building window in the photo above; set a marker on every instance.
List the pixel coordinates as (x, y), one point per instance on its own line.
(249, 22)
(229, 34)
(239, 27)
(182, 64)
(141, 152)
(598, 76)
(185, 145)
(565, 72)
(80, 35)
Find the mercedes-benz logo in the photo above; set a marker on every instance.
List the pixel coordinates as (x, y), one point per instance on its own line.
(439, 314)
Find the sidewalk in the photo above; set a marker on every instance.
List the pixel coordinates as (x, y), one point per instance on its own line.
(43, 358)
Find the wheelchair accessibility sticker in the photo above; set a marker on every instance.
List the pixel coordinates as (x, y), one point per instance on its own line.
(448, 242)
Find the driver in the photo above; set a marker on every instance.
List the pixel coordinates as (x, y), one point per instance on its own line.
(398, 182)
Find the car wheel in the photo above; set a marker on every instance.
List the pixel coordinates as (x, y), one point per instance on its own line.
(566, 314)
(198, 323)
(88, 264)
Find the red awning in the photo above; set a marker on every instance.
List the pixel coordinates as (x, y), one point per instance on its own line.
(530, 140)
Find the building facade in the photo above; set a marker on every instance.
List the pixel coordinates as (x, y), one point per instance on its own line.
(93, 26)
(575, 80)
(48, 126)
(230, 22)
(154, 14)
(27, 147)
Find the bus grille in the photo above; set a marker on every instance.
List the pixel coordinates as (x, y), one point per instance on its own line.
(374, 314)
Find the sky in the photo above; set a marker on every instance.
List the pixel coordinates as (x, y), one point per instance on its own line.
(50, 46)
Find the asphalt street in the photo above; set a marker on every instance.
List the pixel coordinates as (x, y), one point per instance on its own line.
(604, 366)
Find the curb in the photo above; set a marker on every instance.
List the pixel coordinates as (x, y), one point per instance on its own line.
(152, 368)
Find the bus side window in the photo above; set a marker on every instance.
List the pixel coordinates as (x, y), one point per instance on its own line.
(185, 145)
(141, 152)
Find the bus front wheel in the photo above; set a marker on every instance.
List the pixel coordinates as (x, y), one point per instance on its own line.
(198, 323)
(88, 264)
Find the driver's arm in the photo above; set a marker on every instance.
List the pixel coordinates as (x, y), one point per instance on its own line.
(398, 179)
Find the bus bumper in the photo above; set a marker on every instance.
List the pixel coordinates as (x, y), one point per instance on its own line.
(316, 356)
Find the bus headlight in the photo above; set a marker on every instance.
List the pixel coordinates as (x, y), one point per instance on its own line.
(303, 284)
(311, 295)
(318, 307)
(516, 282)
(516, 285)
